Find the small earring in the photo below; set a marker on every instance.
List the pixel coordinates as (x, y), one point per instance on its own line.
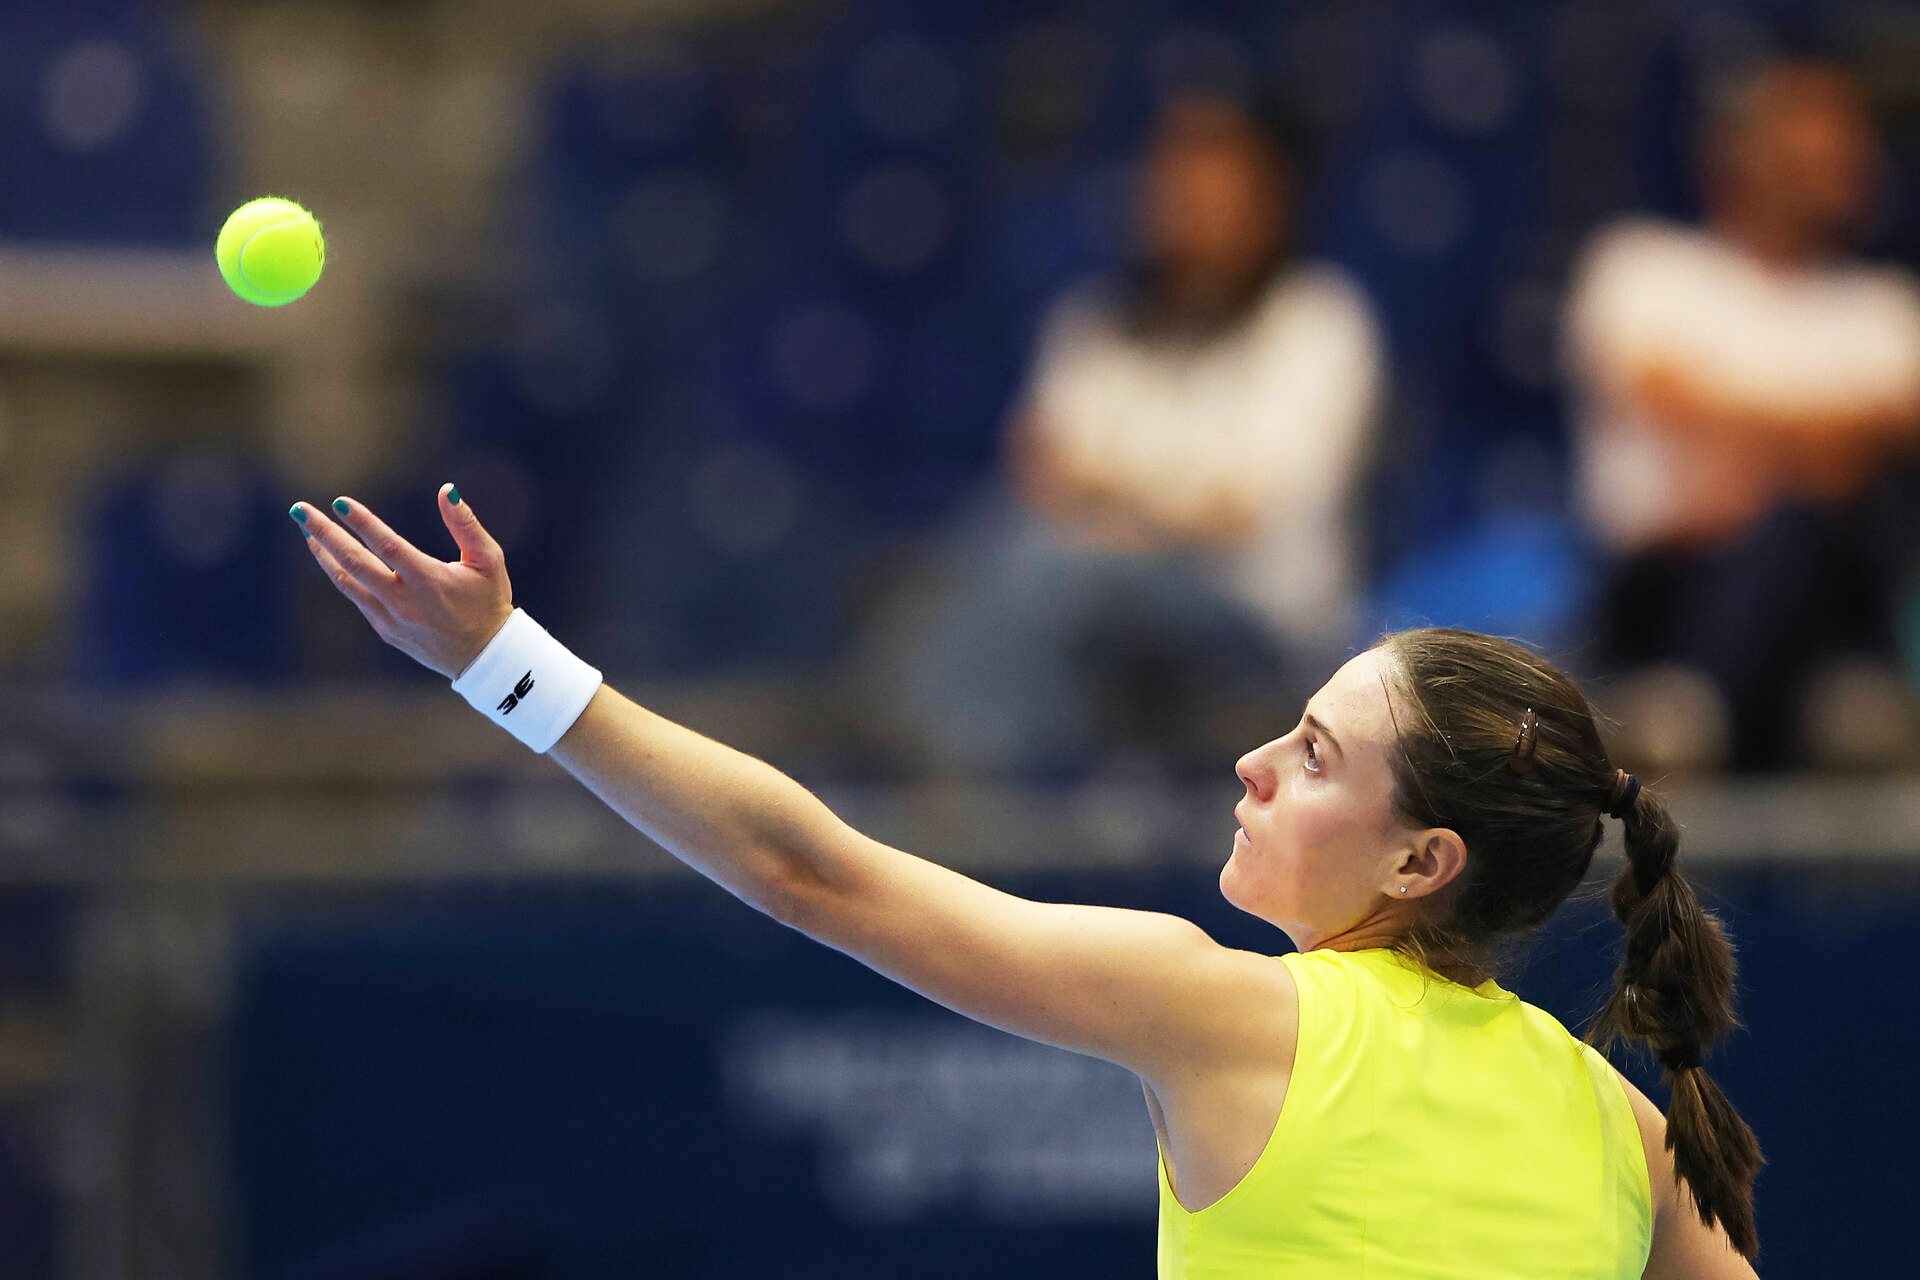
(1403, 888)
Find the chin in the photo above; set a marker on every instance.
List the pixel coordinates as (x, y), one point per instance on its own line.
(1236, 893)
(1228, 876)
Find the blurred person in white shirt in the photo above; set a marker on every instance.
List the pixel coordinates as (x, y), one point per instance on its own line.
(1178, 526)
(1750, 393)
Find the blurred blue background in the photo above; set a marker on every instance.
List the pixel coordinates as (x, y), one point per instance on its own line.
(717, 314)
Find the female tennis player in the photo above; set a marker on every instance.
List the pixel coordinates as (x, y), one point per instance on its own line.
(1373, 1105)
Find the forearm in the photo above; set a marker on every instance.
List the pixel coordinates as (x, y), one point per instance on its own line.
(1673, 397)
(730, 817)
(733, 818)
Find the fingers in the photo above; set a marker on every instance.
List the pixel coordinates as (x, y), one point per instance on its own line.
(344, 553)
(399, 555)
(370, 605)
(478, 550)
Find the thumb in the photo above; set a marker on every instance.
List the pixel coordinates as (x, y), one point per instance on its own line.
(478, 550)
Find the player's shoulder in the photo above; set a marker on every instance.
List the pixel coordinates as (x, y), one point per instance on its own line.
(1184, 943)
(1234, 1008)
(1260, 972)
(1260, 983)
(1653, 1137)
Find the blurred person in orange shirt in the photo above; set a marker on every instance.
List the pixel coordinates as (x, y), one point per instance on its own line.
(1177, 526)
(1749, 391)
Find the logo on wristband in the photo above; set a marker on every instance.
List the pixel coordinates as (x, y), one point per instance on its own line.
(520, 690)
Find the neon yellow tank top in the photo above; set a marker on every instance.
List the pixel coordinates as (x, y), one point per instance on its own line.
(1431, 1132)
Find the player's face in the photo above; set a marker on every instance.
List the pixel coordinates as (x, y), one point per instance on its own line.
(1318, 842)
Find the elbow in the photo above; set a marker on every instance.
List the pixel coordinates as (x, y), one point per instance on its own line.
(781, 901)
(787, 893)
(821, 907)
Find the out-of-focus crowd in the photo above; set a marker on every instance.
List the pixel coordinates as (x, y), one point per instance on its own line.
(1062, 391)
(1180, 506)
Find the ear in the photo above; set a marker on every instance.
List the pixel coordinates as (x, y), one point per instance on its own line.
(1436, 857)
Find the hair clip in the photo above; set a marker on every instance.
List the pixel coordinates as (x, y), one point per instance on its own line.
(1525, 743)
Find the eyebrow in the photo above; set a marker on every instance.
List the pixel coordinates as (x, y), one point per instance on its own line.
(1314, 724)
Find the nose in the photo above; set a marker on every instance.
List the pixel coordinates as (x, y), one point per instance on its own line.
(1254, 773)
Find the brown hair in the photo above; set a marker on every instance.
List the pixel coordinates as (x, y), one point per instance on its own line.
(1527, 794)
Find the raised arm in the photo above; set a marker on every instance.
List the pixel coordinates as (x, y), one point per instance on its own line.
(1148, 991)
(1134, 987)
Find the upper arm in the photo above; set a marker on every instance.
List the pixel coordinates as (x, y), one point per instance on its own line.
(1684, 1248)
(1142, 989)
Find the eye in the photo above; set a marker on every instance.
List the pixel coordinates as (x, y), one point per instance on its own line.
(1313, 758)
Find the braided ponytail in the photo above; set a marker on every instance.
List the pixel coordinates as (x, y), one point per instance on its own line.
(1674, 990)
(1501, 747)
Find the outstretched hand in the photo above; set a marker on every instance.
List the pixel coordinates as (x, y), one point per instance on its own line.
(439, 613)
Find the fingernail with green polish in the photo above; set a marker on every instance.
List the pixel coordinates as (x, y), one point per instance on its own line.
(299, 516)
(453, 495)
(340, 505)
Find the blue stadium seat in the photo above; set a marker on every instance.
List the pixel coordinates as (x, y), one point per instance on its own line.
(187, 574)
(1512, 575)
(104, 135)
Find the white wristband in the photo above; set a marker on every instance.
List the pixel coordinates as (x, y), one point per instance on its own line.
(528, 683)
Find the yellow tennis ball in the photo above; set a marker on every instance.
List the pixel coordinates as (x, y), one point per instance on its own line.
(271, 251)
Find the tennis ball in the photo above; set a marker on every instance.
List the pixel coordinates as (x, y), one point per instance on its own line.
(271, 251)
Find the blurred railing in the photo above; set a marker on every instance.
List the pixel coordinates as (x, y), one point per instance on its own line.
(403, 782)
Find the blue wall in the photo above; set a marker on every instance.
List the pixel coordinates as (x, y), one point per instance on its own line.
(611, 1079)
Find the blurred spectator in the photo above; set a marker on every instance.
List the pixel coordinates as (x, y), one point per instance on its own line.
(1751, 395)
(1174, 544)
